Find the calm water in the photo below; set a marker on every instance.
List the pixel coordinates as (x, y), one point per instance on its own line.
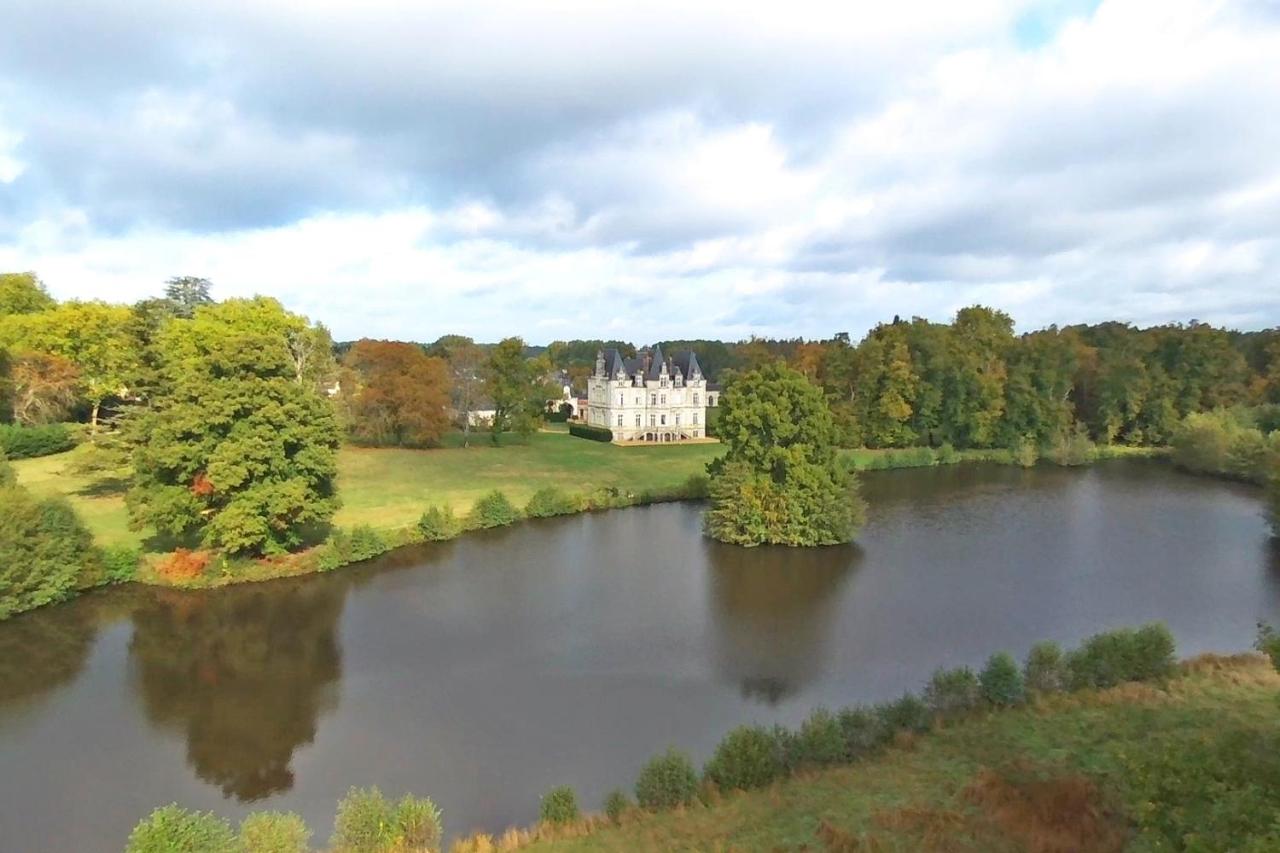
(485, 671)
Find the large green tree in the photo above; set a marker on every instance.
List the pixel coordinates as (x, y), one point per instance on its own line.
(46, 552)
(234, 448)
(186, 293)
(518, 387)
(780, 481)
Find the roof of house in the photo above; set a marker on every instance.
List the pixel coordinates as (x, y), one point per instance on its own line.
(649, 364)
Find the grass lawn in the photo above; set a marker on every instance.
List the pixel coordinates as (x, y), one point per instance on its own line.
(1135, 767)
(390, 488)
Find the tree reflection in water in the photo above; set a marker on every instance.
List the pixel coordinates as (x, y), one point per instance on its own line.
(772, 610)
(244, 672)
(47, 648)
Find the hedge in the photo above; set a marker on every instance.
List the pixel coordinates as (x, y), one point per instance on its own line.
(27, 442)
(592, 432)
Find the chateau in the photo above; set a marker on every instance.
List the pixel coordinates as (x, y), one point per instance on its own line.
(649, 398)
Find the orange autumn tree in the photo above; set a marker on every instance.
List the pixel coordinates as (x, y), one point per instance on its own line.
(395, 394)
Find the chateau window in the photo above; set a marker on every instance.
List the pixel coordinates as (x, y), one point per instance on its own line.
(652, 420)
(621, 401)
(664, 420)
(637, 420)
(653, 399)
(664, 399)
(695, 417)
(695, 398)
(677, 419)
(619, 420)
(638, 399)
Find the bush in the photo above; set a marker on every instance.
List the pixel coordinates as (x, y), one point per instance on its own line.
(28, 442)
(367, 543)
(864, 731)
(747, 758)
(46, 552)
(492, 510)
(1113, 657)
(947, 454)
(667, 781)
(1073, 448)
(175, 830)
(550, 501)
(274, 832)
(369, 823)
(909, 713)
(819, 742)
(559, 806)
(1045, 670)
(616, 805)
(1024, 452)
(8, 476)
(120, 563)
(1001, 681)
(594, 433)
(952, 692)
(1268, 643)
(183, 564)
(439, 524)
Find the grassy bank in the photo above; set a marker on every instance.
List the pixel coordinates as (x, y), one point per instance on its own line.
(1184, 765)
(387, 490)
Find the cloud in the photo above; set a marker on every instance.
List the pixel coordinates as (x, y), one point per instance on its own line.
(653, 170)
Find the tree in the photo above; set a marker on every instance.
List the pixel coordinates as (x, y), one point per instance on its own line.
(400, 394)
(23, 293)
(779, 481)
(187, 293)
(233, 449)
(467, 366)
(93, 336)
(518, 388)
(42, 387)
(45, 550)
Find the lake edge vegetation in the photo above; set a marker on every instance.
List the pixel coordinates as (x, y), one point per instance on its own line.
(1107, 691)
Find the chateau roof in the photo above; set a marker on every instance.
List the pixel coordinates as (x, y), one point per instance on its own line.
(649, 364)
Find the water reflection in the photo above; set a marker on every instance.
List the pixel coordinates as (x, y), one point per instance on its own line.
(772, 610)
(39, 651)
(244, 673)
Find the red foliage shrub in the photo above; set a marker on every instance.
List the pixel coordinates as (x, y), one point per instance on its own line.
(183, 564)
(202, 486)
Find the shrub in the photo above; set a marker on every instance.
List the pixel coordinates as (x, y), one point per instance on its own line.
(592, 432)
(274, 832)
(1073, 448)
(550, 501)
(8, 477)
(951, 692)
(667, 781)
(747, 758)
(120, 563)
(697, 487)
(367, 822)
(820, 741)
(1024, 452)
(559, 806)
(616, 805)
(28, 442)
(1202, 441)
(175, 830)
(947, 454)
(1113, 657)
(183, 564)
(1002, 683)
(492, 510)
(439, 524)
(864, 731)
(367, 543)
(909, 713)
(1268, 643)
(1045, 670)
(46, 552)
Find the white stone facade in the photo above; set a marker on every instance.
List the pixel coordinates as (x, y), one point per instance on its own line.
(649, 398)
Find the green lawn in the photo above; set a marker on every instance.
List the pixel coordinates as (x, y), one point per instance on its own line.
(390, 488)
(1133, 768)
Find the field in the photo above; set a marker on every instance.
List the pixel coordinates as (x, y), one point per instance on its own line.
(1135, 767)
(390, 488)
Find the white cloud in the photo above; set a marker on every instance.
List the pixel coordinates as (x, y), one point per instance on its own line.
(655, 170)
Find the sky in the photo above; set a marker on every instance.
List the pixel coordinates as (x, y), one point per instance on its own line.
(650, 170)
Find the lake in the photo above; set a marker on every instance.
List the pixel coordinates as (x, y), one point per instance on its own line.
(485, 671)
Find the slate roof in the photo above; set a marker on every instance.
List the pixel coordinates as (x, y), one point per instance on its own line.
(649, 364)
